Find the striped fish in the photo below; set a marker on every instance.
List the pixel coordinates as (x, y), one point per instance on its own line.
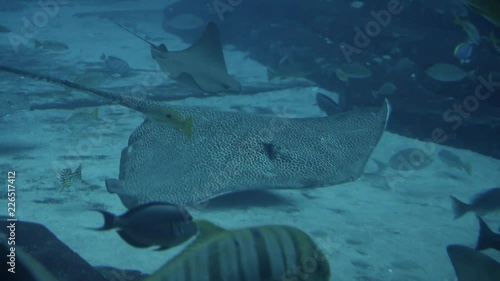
(67, 176)
(266, 253)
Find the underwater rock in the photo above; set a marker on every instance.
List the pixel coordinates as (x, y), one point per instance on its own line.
(40, 244)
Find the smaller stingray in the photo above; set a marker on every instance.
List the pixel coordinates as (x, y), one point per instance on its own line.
(201, 67)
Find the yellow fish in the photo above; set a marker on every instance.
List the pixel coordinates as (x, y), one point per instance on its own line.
(470, 29)
(265, 253)
(341, 75)
(171, 118)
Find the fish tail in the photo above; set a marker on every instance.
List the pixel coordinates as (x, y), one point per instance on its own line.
(459, 208)
(109, 220)
(38, 44)
(486, 235)
(78, 173)
(187, 129)
(381, 166)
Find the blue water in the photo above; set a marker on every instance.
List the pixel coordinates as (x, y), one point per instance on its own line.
(385, 224)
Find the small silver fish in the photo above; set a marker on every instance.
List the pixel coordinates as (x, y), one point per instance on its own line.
(51, 45)
(115, 65)
(387, 89)
(454, 161)
(409, 159)
(83, 116)
(448, 73)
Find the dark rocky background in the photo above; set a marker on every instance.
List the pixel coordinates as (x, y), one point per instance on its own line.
(424, 32)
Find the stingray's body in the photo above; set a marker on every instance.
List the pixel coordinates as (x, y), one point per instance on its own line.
(230, 152)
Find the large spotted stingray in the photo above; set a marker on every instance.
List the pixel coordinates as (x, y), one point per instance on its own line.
(234, 151)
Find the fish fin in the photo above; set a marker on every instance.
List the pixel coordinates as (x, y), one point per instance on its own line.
(187, 128)
(459, 208)
(188, 80)
(207, 228)
(162, 47)
(95, 114)
(472, 265)
(328, 105)
(201, 66)
(131, 241)
(115, 186)
(181, 215)
(78, 172)
(381, 166)
(109, 220)
(103, 56)
(209, 46)
(485, 236)
(38, 44)
(161, 248)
